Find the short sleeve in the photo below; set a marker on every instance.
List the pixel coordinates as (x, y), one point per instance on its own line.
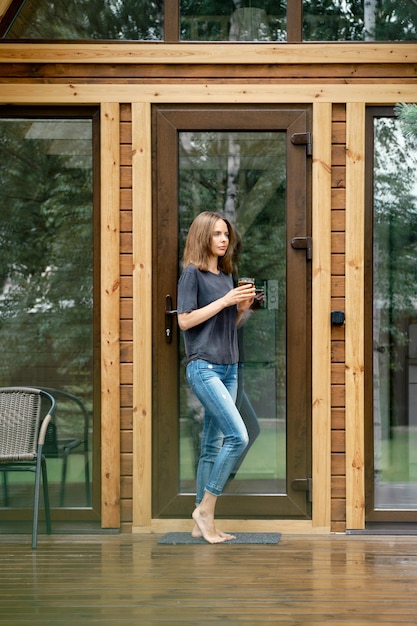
(187, 299)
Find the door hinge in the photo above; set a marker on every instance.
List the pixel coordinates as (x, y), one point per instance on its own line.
(303, 243)
(302, 139)
(303, 484)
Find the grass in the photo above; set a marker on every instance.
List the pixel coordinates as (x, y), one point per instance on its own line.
(265, 459)
(398, 461)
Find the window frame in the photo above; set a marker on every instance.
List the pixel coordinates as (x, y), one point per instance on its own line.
(171, 28)
(91, 513)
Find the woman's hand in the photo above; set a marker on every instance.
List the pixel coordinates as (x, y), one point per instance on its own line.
(245, 298)
(241, 296)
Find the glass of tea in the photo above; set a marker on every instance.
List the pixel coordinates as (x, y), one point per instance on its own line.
(246, 281)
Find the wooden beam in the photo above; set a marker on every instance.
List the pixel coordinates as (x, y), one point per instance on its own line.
(371, 93)
(198, 53)
(287, 527)
(321, 339)
(142, 314)
(110, 316)
(354, 332)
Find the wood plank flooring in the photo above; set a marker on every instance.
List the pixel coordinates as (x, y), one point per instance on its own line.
(130, 579)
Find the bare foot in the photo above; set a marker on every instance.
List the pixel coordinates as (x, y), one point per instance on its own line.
(207, 529)
(196, 533)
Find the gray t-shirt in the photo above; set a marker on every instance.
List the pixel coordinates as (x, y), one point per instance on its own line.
(216, 339)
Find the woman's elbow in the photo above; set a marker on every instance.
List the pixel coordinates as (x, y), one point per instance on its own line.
(183, 321)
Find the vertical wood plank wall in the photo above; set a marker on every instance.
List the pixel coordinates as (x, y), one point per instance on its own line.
(338, 473)
(126, 318)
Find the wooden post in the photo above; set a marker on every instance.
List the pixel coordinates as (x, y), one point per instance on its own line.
(354, 377)
(110, 315)
(321, 339)
(142, 315)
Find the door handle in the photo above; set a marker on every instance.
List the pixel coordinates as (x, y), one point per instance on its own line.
(169, 315)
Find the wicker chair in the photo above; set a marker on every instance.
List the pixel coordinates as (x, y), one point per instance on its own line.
(68, 434)
(22, 434)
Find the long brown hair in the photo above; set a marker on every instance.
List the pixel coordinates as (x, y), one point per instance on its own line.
(198, 245)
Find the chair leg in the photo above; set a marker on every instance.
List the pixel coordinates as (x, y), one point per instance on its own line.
(36, 500)
(63, 479)
(40, 469)
(87, 479)
(5, 489)
(46, 497)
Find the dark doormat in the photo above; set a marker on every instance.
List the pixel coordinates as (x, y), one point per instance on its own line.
(186, 538)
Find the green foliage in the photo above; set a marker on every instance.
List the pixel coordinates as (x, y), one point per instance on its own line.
(396, 20)
(407, 113)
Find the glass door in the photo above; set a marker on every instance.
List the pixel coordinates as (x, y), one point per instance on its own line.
(392, 322)
(247, 165)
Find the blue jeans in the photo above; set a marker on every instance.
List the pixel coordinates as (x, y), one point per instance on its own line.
(224, 434)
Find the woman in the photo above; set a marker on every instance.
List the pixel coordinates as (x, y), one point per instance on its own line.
(209, 310)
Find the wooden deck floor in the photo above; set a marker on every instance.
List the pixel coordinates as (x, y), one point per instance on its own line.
(130, 579)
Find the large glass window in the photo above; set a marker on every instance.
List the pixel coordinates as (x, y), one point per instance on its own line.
(213, 20)
(46, 289)
(394, 318)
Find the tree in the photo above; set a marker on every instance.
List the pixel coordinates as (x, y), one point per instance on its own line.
(407, 113)
(370, 11)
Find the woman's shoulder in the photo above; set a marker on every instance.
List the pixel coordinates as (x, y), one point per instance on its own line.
(189, 276)
(188, 271)
(193, 271)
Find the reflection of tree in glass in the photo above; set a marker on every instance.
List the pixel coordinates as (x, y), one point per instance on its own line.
(395, 233)
(46, 261)
(356, 20)
(243, 175)
(90, 19)
(211, 20)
